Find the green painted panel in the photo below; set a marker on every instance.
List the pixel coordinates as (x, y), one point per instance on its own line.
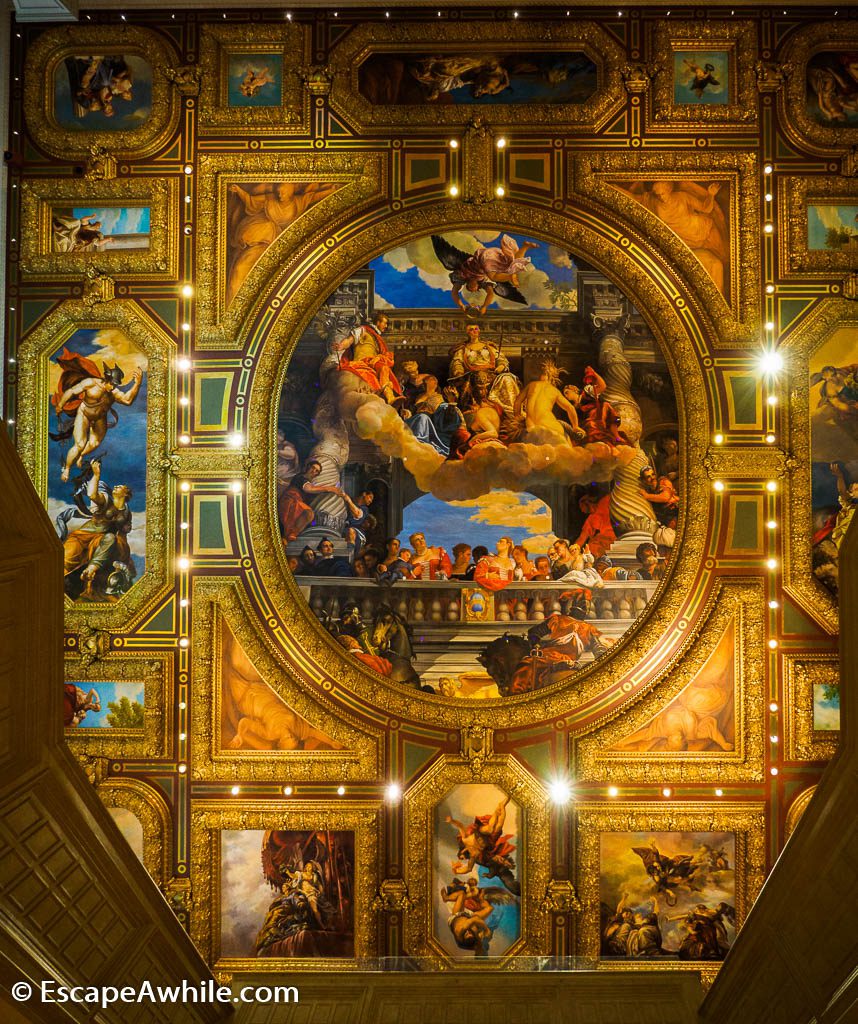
(745, 398)
(32, 310)
(163, 621)
(212, 529)
(796, 621)
(789, 310)
(424, 170)
(212, 393)
(416, 756)
(173, 153)
(540, 758)
(746, 525)
(167, 311)
(530, 170)
(619, 127)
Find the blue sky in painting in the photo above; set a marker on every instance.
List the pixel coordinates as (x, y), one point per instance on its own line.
(823, 217)
(123, 451)
(108, 692)
(118, 220)
(826, 713)
(412, 277)
(128, 114)
(683, 76)
(479, 521)
(268, 95)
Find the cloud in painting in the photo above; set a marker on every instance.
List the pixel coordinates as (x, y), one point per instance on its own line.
(500, 508)
(245, 895)
(380, 302)
(534, 284)
(558, 257)
(518, 467)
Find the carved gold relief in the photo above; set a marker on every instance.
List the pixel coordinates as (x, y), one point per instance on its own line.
(417, 38)
(285, 40)
(605, 176)
(322, 661)
(155, 673)
(216, 601)
(151, 810)
(531, 853)
(804, 672)
(796, 196)
(41, 196)
(746, 820)
(44, 58)
(737, 607)
(34, 424)
(797, 809)
(361, 178)
(210, 818)
(738, 41)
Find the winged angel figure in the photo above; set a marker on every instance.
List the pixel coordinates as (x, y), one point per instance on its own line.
(493, 271)
(667, 873)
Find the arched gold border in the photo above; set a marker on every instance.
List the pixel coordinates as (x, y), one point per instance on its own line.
(798, 347)
(33, 424)
(532, 856)
(732, 600)
(450, 37)
(217, 598)
(55, 44)
(308, 645)
(151, 810)
(796, 810)
(802, 129)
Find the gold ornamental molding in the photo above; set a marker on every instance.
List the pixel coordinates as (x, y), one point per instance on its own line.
(822, 139)
(150, 808)
(802, 672)
(738, 39)
(796, 195)
(33, 426)
(362, 180)
(533, 854)
(663, 627)
(799, 346)
(737, 603)
(602, 177)
(46, 54)
(211, 817)
(216, 600)
(41, 196)
(452, 37)
(746, 820)
(155, 672)
(284, 39)
(797, 809)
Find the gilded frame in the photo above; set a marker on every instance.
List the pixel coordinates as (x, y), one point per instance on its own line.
(798, 346)
(796, 194)
(796, 810)
(155, 671)
(741, 602)
(210, 817)
(591, 176)
(33, 406)
(56, 43)
(420, 802)
(213, 600)
(306, 643)
(39, 196)
(364, 180)
(746, 820)
(801, 672)
(218, 42)
(153, 813)
(739, 39)
(819, 138)
(416, 37)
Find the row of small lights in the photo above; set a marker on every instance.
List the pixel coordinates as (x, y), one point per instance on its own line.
(769, 365)
(500, 191)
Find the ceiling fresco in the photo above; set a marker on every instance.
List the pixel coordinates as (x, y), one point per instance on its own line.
(450, 426)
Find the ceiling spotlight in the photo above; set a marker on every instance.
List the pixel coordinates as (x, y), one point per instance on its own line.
(772, 400)
(667, 791)
(454, 190)
(184, 438)
(613, 791)
(454, 143)
(770, 325)
(768, 169)
(718, 439)
(341, 790)
(235, 487)
(774, 605)
(393, 792)
(184, 485)
(184, 642)
(719, 792)
(287, 791)
(182, 769)
(773, 706)
(235, 789)
(771, 362)
(187, 290)
(184, 400)
(184, 564)
(768, 227)
(560, 791)
(770, 288)
(771, 486)
(183, 604)
(236, 440)
(500, 191)
(771, 563)
(501, 142)
(772, 524)
(773, 771)
(183, 364)
(773, 644)
(770, 439)
(718, 485)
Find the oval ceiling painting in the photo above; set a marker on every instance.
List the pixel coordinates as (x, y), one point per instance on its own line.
(477, 464)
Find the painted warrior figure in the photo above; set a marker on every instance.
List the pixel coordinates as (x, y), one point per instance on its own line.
(365, 354)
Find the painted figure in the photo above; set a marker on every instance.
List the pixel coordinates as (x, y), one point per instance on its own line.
(254, 79)
(90, 395)
(493, 271)
(536, 404)
(483, 843)
(701, 78)
(470, 907)
(96, 82)
(365, 354)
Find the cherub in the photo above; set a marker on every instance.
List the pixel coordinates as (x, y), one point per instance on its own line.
(254, 79)
(493, 271)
